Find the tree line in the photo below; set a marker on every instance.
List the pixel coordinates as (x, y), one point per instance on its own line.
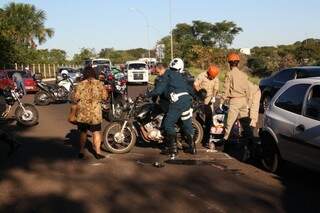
(265, 60)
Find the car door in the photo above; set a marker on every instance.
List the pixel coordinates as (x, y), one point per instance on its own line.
(281, 78)
(307, 130)
(282, 118)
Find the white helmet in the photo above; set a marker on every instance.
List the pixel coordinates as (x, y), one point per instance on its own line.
(177, 64)
(64, 72)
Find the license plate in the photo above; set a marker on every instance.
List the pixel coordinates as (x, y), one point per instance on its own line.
(138, 76)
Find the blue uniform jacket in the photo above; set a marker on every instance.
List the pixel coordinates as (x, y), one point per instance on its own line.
(171, 81)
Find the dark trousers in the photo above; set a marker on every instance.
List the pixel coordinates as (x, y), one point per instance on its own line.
(208, 122)
(21, 87)
(174, 113)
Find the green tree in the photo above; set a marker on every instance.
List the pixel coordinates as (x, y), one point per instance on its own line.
(223, 33)
(85, 53)
(57, 56)
(199, 34)
(25, 24)
(308, 52)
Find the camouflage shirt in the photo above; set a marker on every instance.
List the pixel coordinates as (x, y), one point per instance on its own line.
(89, 94)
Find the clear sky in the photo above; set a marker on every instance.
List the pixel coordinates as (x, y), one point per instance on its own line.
(110, 23)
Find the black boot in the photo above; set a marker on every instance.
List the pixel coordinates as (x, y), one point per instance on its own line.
(173, 150)
(192, 146)
(247, 130)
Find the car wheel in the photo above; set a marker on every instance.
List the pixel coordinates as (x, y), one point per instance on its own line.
(271, 159)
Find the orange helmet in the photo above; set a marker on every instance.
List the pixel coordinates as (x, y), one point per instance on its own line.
(233, 57)
(213, 71)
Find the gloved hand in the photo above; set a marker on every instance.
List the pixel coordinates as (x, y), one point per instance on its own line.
(221, 106)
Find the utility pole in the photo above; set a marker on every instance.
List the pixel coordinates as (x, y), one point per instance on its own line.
(171, 33)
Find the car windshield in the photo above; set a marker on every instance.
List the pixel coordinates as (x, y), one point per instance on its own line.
(24, 74)
(97, 62)
(137, 66)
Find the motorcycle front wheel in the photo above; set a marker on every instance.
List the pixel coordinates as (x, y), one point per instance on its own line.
(116, 142)
(28, 117)
(118, 109)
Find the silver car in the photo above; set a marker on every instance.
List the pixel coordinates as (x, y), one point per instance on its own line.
(291, 129)
(75, 75)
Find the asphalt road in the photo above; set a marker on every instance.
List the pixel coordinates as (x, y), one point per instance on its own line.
(44, 175)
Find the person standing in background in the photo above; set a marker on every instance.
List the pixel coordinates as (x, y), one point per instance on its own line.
(18, 80)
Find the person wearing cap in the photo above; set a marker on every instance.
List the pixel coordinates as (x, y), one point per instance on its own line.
(209, 82)
(237, 92)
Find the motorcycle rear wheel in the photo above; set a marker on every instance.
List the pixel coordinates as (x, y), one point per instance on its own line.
(42, 98)
(118, 146)
(198, 133)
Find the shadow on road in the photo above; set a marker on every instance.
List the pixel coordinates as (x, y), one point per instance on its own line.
(44, 175)
(44, 203)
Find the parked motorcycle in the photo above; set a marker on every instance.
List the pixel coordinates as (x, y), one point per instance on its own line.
(118, 96)
(141, 120)
(26, 114)
(49, 93)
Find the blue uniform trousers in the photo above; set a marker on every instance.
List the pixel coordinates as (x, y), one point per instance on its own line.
(175, 112)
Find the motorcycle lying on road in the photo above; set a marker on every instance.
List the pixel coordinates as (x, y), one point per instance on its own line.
(118, 96)
(25, 114)
(238, 146)
(49, 93)
(141, 120)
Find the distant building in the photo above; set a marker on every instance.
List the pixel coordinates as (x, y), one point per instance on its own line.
(246, 51)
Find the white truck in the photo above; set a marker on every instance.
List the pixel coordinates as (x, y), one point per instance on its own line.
(137, 72)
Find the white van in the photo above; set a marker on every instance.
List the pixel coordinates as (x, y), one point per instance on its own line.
(98, 62)
(137, 72)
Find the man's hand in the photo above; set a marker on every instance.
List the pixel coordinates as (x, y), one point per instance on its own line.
(253, 123)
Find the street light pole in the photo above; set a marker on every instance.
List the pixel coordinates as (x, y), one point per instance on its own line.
(171, 33)
(148, 28)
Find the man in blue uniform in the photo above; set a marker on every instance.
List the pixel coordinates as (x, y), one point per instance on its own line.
(172, 85)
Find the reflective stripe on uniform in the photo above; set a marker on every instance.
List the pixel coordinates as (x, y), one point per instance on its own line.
(181, 94)
(187, 114)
